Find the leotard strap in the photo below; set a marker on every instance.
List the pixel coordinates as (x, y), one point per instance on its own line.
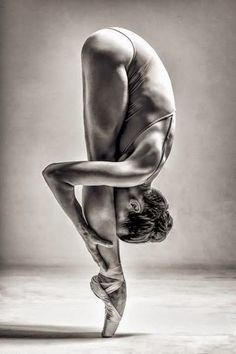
(169, 115)
(134, 49)
(163, 146)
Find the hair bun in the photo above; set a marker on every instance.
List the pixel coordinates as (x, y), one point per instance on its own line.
(163, 225)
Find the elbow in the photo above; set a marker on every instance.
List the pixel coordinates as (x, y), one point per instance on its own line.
(143, 174)
(50, 173)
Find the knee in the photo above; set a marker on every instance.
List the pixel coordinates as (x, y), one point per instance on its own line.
(92, 45)
(100, 46)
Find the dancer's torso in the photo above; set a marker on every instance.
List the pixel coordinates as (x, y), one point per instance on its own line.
(149, 93)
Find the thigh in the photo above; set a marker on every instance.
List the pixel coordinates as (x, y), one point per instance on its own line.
(105, 96)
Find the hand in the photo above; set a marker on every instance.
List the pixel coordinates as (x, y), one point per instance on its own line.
(92, 240)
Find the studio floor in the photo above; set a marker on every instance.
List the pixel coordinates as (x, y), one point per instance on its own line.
(53, 311)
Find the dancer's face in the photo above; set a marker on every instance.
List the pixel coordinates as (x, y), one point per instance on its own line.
(126, 200)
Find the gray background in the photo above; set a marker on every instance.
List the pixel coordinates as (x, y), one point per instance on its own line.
(41, 122)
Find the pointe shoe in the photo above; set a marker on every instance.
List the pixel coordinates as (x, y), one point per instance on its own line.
(102, 291)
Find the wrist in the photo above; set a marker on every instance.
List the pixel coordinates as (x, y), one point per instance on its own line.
(82, 228)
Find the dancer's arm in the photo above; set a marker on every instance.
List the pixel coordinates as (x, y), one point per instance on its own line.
(62, 177)
(128, 173)
(65, 195)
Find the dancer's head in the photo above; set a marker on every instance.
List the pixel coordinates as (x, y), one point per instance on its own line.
(142, 215)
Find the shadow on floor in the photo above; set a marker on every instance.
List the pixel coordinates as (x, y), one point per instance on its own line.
(54, 332)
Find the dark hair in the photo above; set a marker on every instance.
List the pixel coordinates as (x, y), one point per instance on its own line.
(153, 224)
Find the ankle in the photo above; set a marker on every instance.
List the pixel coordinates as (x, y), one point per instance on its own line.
(112, 270)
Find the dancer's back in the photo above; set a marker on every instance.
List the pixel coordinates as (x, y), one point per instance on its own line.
(149, 89)
(119, 102)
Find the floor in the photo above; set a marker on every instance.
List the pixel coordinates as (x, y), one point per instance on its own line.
(52, 310)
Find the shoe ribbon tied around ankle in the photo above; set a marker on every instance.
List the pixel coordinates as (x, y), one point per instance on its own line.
(117, 275)
(102, 291)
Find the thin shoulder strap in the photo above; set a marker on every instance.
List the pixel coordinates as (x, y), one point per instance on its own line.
(163, 145)
(169, 115)
(134, 49)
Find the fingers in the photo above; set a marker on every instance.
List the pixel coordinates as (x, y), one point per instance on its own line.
(98, 240)
(101, 242)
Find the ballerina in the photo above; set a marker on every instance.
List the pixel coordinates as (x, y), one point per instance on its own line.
(129, 121)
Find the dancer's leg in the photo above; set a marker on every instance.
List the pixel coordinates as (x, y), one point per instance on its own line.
(105, 95)
(111, 256)
(105, 102)
(105, 89)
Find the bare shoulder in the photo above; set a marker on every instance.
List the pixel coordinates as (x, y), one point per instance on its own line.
(149, 147)
(145, 156)
(107, 43)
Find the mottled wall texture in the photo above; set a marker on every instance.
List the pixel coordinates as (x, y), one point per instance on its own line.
(41, 122)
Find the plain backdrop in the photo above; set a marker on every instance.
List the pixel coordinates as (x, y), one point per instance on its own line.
(42, 122)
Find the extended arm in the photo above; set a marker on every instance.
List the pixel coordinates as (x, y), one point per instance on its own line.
(65, 195)
(126, 173)
(62, 177)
